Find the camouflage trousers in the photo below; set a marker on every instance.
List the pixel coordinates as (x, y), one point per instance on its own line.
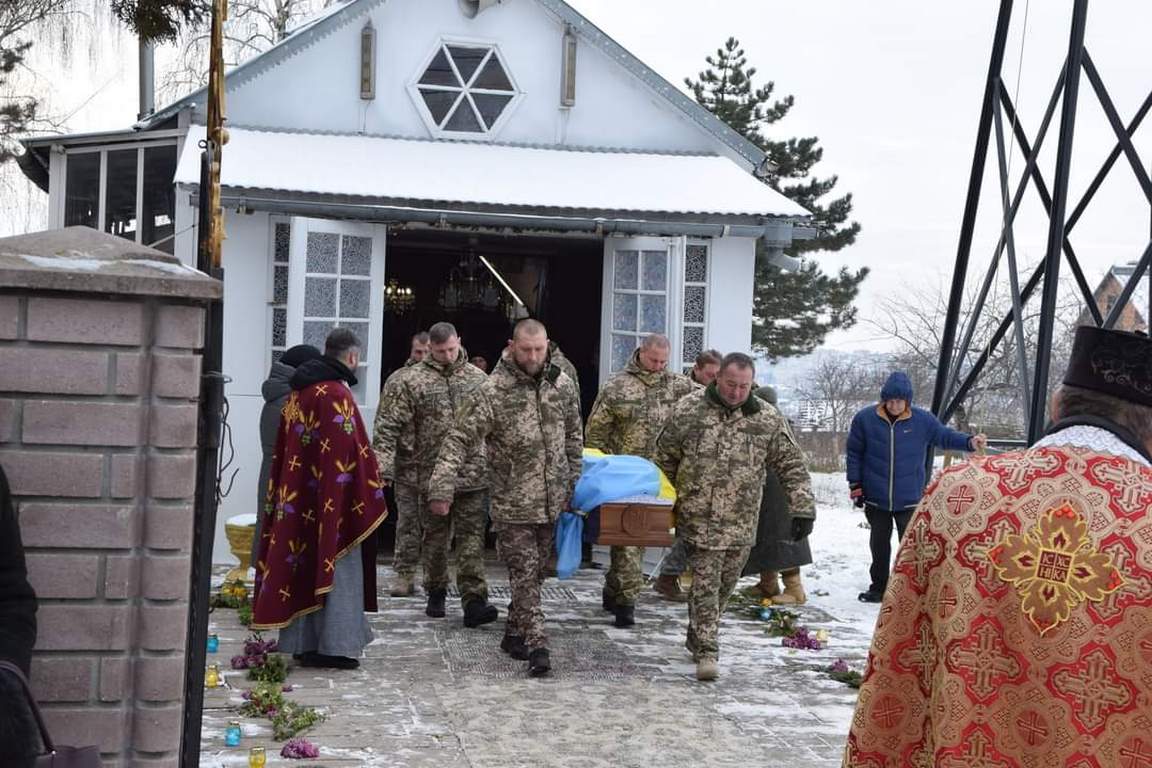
(466, 520)
(625, 577)
(714, 576)
(409, 530)
(524, 549)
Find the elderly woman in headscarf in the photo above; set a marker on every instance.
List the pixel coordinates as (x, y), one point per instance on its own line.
(776, 556)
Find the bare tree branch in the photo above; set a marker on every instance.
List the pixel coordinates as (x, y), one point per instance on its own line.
(253, 27)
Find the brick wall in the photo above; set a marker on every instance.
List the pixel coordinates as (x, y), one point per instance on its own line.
(97, 434)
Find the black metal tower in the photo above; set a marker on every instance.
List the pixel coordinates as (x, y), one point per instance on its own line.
(953, 378)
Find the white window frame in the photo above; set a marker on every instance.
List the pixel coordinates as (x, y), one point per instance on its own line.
(674, 296)
(298, 274)
(426, 115)
(270, 290)
(706, 285)
(103, 150)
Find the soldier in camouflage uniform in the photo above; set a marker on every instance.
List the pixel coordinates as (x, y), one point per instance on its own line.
(627, 416)
(716, 449)
(409, 531)
(424, 406)
(527, 416)
(667, 584)
(706, 368)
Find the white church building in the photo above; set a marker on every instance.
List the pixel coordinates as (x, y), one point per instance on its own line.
(393, 163)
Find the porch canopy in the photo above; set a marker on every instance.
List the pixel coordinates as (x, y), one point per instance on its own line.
(468, 183)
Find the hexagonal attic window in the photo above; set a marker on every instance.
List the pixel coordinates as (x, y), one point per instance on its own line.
(464, 89)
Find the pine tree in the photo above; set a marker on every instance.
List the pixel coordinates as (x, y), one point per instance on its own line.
(793, 311)
(160, 21)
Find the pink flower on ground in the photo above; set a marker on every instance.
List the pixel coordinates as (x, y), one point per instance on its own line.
(299, 748)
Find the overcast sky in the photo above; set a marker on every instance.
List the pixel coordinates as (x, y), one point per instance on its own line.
(891, 88)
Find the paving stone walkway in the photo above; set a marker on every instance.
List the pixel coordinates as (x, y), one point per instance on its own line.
(432, 693)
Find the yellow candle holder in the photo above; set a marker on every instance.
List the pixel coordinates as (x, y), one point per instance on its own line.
(256, 757)
(212, 676)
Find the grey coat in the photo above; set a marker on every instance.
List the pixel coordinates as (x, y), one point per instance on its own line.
(275, 390)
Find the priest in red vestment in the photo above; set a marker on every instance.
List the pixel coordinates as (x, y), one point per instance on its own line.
(1017, 626)
(316, 573)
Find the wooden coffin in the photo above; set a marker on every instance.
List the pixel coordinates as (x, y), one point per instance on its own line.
(636, 525)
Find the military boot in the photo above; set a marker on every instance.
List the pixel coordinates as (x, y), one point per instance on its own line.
(403, 586)
(478, 611)
(436, 600)
(793, 593)
(539, 664)
(513, 645)
(690, 641)
(668, 587)
(608, 601)
(625, 615)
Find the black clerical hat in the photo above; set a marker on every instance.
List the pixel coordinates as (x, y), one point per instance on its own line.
(1115, 363)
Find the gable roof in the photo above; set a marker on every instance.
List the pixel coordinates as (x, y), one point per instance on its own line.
(329, 20)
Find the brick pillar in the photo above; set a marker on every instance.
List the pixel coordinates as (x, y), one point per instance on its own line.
(98, 415)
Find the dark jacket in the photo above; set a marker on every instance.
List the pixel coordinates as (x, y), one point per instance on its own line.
(17, 599)
(19, 739)
(886, 456)
(275, 390)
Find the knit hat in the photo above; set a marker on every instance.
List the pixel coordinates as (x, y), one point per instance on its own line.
(301, 353)
(898, 387)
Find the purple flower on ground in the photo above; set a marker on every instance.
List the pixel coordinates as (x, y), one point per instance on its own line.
(299, 748)
(839, 666)
(239, 662)
(286, 689)
(803, 640)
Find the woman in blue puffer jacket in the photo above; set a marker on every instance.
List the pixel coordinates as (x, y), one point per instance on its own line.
(887, 447)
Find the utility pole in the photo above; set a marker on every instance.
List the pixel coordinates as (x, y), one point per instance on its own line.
(210, 238)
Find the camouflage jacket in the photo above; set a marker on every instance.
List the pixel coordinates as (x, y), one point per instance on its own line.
(405, 441)
(424, 406)
(717, 458)
(530, 427)
(632, 408)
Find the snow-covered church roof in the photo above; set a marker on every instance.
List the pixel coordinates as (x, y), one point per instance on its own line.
(423, 172)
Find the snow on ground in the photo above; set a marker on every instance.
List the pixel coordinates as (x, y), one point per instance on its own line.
(840, 554)
(431, 693)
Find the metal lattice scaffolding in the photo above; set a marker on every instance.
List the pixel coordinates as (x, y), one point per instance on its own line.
(955, 379)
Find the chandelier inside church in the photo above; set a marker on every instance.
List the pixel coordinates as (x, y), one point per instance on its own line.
(470, 286)
(398, 299)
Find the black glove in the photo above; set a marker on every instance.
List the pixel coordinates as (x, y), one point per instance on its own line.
(802, 527)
